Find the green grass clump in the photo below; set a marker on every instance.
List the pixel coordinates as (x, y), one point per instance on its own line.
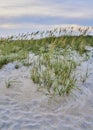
(53, 71)
(3, 60)
(17, 66)
(11, 81)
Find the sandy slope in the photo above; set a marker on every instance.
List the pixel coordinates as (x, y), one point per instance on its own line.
(22, 107)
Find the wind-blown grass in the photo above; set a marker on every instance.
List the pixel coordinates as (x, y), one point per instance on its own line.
(54, 67)
(54, 71)
(11, 81)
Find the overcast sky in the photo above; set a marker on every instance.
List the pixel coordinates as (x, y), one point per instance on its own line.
(30, 15)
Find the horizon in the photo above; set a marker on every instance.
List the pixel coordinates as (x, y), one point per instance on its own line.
(29, 15)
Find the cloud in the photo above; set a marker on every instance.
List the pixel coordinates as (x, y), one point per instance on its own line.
(45, 8)
(26, 15)
(46, 20)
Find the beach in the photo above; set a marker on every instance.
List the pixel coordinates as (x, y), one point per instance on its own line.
(23, 107)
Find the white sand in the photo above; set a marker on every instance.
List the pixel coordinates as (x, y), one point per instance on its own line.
(22, 107)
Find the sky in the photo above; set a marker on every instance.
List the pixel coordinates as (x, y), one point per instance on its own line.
(21, 16)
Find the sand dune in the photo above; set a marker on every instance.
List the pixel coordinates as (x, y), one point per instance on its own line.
(22, 107)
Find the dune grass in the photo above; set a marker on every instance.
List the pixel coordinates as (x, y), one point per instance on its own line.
(54, 68)
(53, 71)
(18, 49)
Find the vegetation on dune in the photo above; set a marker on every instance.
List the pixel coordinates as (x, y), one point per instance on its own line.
(53, 71)
(11, 81)
(54, 67)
